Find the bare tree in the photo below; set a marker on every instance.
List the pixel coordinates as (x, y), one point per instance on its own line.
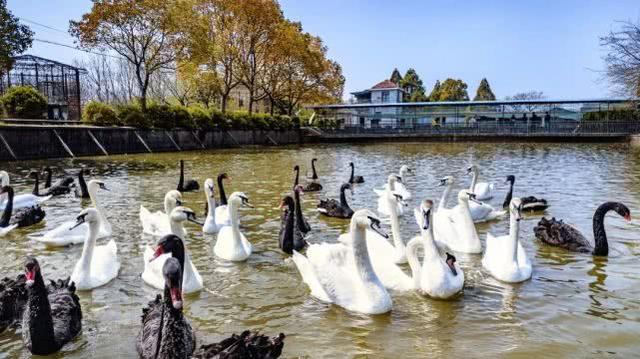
(623, 59)
(107, 79)
(525, 96)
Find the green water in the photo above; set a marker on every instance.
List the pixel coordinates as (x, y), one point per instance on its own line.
(574, 306)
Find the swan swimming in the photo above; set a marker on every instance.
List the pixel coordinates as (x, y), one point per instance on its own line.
(210, 226)
(480, 212)
(505, 258)
(158, 223)
(20, 200)
(342, 274)
(63, 236)
(98, 265)
(383, 203)
(231, 244)
(482, 190)
(454, 229)
(154, 260)
(400, 187)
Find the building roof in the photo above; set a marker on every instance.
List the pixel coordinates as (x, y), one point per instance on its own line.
(386, 84)
(31, 62)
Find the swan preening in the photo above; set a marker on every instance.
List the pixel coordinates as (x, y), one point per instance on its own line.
(353, 178)
(52, 316)
(528, 203)
(560, 234)
(172, 245)
(482, 190)
(341, 273)
(158, 223)
(63, 236)
(19, 200)
(340, 209)
(454, 228)
(188, 186)
(98, 265)
(231, 244)
(504, 257)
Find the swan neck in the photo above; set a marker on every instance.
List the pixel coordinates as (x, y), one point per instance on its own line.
(89, 245)
(83, 185)
(36, 185)
(352, 173)
(445, 196)
(295, 182)
(223, 196)
(414, 261)
(47, 182)
(313, 168)
(181, 181)
(514, 229)
(6, 215)
(507, 199)
(93, 195)
(211, 206)
(474, 179)
(361, 255)
(398, 243)
(601, 247)
(343, 198)
(430, 247)
(234, 217)
(177, 228)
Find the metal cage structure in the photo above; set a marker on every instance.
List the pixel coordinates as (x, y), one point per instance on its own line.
(58, 82)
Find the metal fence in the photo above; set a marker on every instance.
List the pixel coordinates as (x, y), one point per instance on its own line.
(579, 128)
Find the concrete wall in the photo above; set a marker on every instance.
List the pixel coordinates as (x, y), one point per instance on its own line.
(36, 142)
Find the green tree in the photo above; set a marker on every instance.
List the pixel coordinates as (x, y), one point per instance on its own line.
(413, 86)
(435, 93)
(484, 92)
(452, 90)
(396, 77)
(15, 38)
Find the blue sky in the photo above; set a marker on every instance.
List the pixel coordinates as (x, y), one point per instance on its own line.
(543, 45)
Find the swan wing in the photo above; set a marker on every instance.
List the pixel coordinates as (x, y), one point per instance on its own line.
(335, 271)
(382, 254)
(104, 264)
(152, 274)
(558, 233)
(307, 271)
(483, 190)
(155, 224)
(192, 281)
(227, 248)
(65, 311)
(62, 235)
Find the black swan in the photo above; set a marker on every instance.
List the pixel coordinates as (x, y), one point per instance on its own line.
(61, 186)
(290, 237)
(190, 186)
(13, 298)
(355, 179)
(313, 186)
(560, 234)
(246, 345)
(301, 222)
(528, 203)
(223, 196)
(165, 332)
(52, 316)
(23, 217)
(84, 192)
(333, 208)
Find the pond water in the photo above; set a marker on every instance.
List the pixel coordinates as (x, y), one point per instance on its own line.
(574, 305)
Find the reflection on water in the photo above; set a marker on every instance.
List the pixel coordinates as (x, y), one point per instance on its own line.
(575, 305)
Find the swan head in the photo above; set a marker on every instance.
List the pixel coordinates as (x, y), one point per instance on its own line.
(181, 214)
(447, 181)
(346, 186)
(209, 188)
(31, 271)
(95, 184)
(172, 273)
(173, 196)
(392, 179)
(364, 219)
(511, 179)
(296, 168)
(622, 210)
(89, 215)
(473, 169)
(4, 178)
(223, 176)
(169, 244)
(314, 160)
(287, 202)
(404, 170)
(239, 199)
(397, 197)
(451, 263)
(465, 196)
(515, 208)
(423, 214)
(351, 164)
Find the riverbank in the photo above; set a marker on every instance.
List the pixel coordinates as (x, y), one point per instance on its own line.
(24, 142)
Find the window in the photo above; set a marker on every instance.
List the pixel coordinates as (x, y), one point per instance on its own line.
(385, 96)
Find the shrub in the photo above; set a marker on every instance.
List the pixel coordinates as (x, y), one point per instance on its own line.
(619, 114)
(100, 114)
(132, 115)
(181, 117)
(201, 118)
(220, 121)
(24, 102)
(160, 116)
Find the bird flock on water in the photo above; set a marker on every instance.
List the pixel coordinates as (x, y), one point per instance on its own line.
(359, 271)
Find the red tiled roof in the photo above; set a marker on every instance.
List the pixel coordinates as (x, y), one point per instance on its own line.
(386, 84)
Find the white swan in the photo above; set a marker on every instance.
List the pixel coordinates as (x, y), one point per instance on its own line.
(400, 187)
(437, 277)
(154, 260)
(383, 203)
(383, 253)
(62, 236)
(210, 226)
(158, 223)
(505, 258)
(20, 200)
(98, 265)
(482, 190)
(480, 211)
(342, 274)
(231, 244)
(454, 229)
(221, 213)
